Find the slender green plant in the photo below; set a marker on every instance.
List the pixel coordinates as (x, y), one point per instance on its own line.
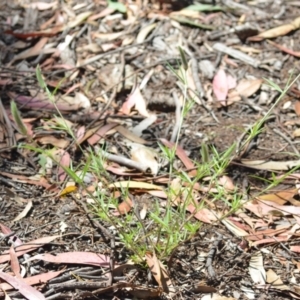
(170, 225)
(17, 118)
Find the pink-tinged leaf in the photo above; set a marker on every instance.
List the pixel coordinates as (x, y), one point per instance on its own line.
(226, 182)
(13, 239)
(20, 285)
(129, 103)
(5, 81)
(28, 247)
(220, 86)
(42, 5)
(41, 101)
(159, 194)
(259, 235)
(105, 12)
(21, 178)
(135, 99)
(231, 82)
(124, 207)
(33, 51)
(182, 156)
(14, 263)
(242, 226)
(203, 214)
(261, 208)
(41, 278)
(80, 133)
(295, 248)
(100, 133)
(84, 258)
(5, 229)
(284, 49)
(274, 240)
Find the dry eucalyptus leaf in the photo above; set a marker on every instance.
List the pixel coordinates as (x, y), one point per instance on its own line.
(143, 212)
(256, 268)
(52, 140)
(296, 133)
(271, 165)
(144, 32)
(146, 156)
(24, 211)
(297, 108)
(146, 123)
(245, 88)
(275, 280)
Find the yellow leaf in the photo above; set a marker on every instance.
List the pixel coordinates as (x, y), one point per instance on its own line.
(135, 184)
(68, 190)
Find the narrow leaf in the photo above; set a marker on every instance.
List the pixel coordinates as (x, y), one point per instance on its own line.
(17, 118)
(25, 289)
(85, 258)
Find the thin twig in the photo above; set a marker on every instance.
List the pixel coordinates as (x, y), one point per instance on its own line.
(211, 255)
(124, 161)
(287, 140)
(4, 119)
(195, 73)
(177, 117)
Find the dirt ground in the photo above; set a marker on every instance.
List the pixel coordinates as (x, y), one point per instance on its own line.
(91, 57)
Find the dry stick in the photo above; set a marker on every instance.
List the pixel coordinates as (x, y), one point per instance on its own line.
(195, 70)
(124, 161)
(10, 132)
(77, 285)
(59, 296)
(177, 117)
(211, 255)
(247, 59)
(287, 140)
